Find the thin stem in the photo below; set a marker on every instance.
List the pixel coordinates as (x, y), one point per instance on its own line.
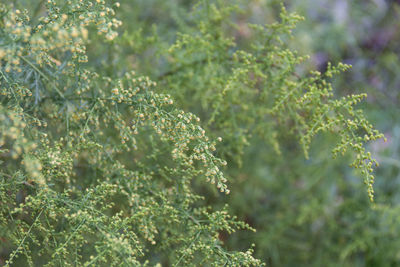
(43, 75)
(23, 240)
(191, 244)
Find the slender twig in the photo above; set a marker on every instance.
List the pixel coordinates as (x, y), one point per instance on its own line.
(43, 75)
(23, 240)
(191, 244)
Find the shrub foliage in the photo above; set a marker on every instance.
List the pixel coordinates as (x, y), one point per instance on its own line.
(99, 165)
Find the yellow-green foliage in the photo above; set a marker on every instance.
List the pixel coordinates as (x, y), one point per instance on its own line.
(258, 92)
(101, 167)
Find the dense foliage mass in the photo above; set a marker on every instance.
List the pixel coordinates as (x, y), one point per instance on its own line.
(114, 116)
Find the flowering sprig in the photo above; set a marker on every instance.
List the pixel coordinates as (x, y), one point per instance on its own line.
(98, 170)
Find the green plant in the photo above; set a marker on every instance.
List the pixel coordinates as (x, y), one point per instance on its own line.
(100, 166)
